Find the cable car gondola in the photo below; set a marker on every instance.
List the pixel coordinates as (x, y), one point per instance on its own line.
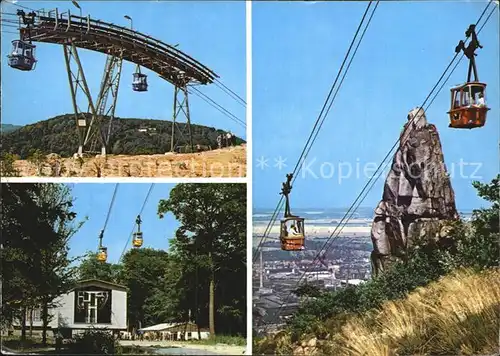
(292, 235)
(22, 56)
(468, 108)
(137, 241)
(140, 81)
(102, 252)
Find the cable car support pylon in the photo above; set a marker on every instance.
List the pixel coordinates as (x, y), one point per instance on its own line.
(92, 129)
(181, 111)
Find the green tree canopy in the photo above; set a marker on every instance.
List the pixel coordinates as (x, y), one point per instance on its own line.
(91, 268)
(143, 271)
(210, 246)
(36, 226)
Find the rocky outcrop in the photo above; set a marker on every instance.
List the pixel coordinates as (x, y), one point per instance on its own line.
(418, 199)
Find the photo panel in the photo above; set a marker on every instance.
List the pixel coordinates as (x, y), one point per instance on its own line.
(374, 228)
(123, 89)
(132, 268)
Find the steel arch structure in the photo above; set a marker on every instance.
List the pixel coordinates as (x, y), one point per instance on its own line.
(118, 43)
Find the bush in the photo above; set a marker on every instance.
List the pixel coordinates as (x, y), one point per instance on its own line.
(94, 341)
(7, 168)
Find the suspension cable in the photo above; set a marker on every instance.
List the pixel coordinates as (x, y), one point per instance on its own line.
(231, 93)
(369, 184)
(217, 106)
(309, 143)
(135, 223)
(108, 214)
(110, 207)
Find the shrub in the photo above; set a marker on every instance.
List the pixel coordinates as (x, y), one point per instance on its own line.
(7, 168)
(94, 341)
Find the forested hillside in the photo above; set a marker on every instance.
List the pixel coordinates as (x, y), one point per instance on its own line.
(58, 135)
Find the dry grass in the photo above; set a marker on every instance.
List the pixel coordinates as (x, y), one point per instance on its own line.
(227, 162)
(457, 315)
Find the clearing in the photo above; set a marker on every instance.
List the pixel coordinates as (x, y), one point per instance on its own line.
(226, 162)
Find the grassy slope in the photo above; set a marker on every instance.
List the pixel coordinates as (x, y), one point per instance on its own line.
(460, 313)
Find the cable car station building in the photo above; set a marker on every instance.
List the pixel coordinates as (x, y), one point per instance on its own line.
(90, 304)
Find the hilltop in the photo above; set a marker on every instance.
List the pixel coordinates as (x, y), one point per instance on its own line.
(6, 128)
(130, 136)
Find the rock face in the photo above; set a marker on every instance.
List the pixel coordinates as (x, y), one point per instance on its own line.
(418, 198)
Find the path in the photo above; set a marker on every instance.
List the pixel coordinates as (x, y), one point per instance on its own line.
(187, 348)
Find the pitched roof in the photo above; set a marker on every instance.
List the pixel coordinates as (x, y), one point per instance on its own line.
(164, 326)
(99, 283)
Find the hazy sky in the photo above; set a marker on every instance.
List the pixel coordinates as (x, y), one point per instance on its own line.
(211, 32)
(404, 52)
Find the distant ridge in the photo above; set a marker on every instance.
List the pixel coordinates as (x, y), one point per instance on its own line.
(5, 128)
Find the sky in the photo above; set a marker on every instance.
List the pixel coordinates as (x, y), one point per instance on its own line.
(405, 50)
(92, 201)
(211, 32)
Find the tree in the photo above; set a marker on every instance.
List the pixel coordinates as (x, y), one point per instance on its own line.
(7, 168)
(38, 159)
(17, 251)
(210, 243)
(308, 290)
(56, 275)
(142, 272)
(477, 241)
(91, 268)
(171, 296)
(36, 227)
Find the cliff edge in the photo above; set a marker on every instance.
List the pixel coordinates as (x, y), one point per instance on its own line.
(418, 198)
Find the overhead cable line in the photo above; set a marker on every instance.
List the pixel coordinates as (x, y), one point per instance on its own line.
(312, 135)
(378, 172)
(219, 107)
(23, 7)
(135, 223)
(108, 214)
(462, 56)
(9, 14)
(110, 207)
(7, 20)
(231, 93)
(8, 25)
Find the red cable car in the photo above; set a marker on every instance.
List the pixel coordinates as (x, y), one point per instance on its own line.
(292, 235)
(468, 101)
(468, 108)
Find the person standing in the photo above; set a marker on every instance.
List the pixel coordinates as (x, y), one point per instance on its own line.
(219, 141)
